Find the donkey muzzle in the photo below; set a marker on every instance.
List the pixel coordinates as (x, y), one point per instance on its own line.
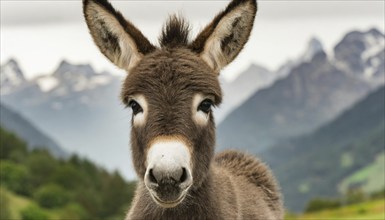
(168, 175)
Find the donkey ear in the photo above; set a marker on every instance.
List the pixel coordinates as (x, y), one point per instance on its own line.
(119, 40)
(222, 40)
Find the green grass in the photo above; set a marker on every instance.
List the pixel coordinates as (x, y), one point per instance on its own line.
(18, 203)
(371, 177)
(372, 210)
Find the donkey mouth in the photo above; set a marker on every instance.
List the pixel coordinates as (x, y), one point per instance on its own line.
(168, 204)
(168, 195)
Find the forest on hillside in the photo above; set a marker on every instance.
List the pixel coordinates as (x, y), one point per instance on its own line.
(36, 185)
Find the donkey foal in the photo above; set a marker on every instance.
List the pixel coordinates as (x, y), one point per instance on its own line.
(171, 90)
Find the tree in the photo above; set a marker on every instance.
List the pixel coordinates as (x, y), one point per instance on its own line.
(11, 147)
(319, 204)
(354, 196)
(15, 177)
(114, 189)
(68, 177)
(42, 166)
(74, 211)
(33, 213)
(91, 201)
(378, 195)
(51, 196)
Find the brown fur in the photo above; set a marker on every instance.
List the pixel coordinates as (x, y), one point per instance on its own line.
(144, 46)
(233, 43)
(237, 187)
(231, 185)
(198, 44)
(175, 33)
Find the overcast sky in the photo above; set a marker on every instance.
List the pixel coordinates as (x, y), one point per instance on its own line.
(41, 33)
(27, 12)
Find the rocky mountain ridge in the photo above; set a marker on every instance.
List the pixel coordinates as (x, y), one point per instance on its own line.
(312, 94)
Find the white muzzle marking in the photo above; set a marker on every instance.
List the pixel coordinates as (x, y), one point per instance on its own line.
(169, 155)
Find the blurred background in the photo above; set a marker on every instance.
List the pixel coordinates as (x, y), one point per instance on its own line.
(306, 95)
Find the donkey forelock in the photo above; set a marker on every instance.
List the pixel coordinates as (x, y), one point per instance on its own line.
(175, 33)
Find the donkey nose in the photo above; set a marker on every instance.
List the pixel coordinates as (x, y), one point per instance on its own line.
(174, 177)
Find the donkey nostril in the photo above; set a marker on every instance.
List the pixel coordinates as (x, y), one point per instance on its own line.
(152, 177)
(184, 175)
(157, 177)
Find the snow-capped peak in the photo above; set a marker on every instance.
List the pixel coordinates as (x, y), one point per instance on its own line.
(361, 54)
(10, 76)
(47, 83)
(11, 72)
(374, 43)
(81, 69)
(68, 78)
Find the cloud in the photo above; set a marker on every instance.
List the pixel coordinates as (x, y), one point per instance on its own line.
(312, 8)
(57, 11)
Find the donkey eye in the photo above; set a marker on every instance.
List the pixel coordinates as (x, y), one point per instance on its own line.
(205, 106)
(136, 108)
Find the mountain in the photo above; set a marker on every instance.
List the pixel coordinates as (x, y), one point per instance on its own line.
(314, 46)
(80, 108)
(257, 77)
(14, 122)
(240, 89)
(11, 76)
(316, 164)
(312, 94)
(362, 54)
(69, 78)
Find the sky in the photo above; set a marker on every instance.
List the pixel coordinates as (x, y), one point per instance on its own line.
(39, 34)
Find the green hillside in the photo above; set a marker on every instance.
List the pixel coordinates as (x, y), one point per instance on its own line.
(369, 178)
(14, 204)
(36, 185)
(316, 164)
(371, 210)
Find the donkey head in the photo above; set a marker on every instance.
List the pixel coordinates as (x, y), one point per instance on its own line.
(171, 90)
